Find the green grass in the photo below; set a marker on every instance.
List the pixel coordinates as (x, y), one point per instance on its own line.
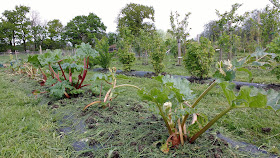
(25, 125)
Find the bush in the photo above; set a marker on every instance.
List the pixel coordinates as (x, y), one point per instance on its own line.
(274, 47)
(127, 59)
(157, 54)
(104, 58)
(198, 58)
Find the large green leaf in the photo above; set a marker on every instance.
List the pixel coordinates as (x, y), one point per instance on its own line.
(228, 91)
(50, 57)
(85, 50)
(273, 100)
(33, 59)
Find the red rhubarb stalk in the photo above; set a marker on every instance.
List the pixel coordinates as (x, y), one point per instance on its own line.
(62, 71)
(56, 75)
(85, 71)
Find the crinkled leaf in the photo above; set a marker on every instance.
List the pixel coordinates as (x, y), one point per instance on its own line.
(85, 50)
(249, 99)
(250, 76)
(273, 100)
(50, 57)
(33, 59)
(100, 76)
(228, 91)
(155, 95)
(59, 88)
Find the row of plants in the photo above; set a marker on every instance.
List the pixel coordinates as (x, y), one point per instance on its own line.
(172, 101)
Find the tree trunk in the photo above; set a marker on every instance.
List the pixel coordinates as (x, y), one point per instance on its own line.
(14, 42)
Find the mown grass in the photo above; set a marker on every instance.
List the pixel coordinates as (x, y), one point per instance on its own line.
(25, 125)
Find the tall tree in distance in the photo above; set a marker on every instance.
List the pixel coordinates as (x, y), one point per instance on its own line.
(23, 24)
(9, 26)
(84, 29)
(54, 28)
(227, 22)
(135, 17)
(36, 29)
(179, 30)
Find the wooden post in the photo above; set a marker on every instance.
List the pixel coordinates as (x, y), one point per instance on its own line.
(179, 52)
(230, 39)
(40, 49)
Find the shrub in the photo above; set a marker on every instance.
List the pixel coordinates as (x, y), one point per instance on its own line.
(274, 47)
(104, 58)
(198, 58)
(157, 55)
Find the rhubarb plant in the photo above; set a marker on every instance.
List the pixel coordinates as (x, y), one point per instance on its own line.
(111, 94)
(173, 100)
(57, 64)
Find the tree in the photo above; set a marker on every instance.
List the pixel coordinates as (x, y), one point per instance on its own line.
(179, 30)
(270, 24)
(36, 29)
(9, 27)
(54, 28)
(84, 29)
(23, 24)
(228, 22)
(17, 25)
(112, 38)
(211, 31)
(132, 16)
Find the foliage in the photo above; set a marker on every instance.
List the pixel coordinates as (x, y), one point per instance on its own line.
(105, 57)
(112, 38)
(67, 65)
(179, 30)
(171, 100)
(132, 17)
(54, 28)
(84, 29)
(157, 54)
(111, 94)
(16, 23)
(199, 57)
(274, 47)
(125, 54)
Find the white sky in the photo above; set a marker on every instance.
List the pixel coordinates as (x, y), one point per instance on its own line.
(202, 11)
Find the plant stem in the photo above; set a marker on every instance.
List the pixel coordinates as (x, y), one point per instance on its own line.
(85, 71)
(204, 93)
(198, 99)
(62, 71)
(165, 120)
(56, 75)
(70, 76)
(209, 124)
(127, 85)
(44, 75)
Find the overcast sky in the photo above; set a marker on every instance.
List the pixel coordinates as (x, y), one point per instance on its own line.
(202, 11)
